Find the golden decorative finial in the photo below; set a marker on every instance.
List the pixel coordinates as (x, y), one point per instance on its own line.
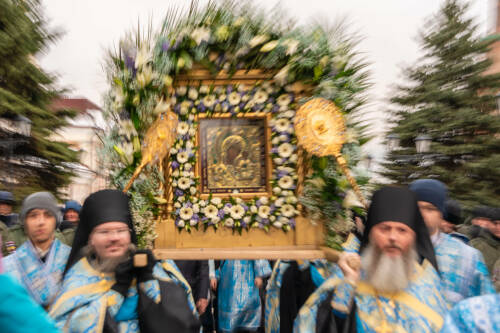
(320, 130)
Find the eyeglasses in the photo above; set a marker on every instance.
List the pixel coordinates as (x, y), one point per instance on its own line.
(108, 232)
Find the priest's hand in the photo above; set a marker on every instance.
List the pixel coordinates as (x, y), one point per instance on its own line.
(145, 273)
(201, 305)
(349, 263)
(258, 282)
(124, 274)
(213, 284)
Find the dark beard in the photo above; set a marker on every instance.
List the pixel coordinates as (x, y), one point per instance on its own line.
(106, 265)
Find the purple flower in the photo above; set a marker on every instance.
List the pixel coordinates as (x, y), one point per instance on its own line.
(165, 46)
(274, 150)
(245, 207)
(270, 100)
(201, 107)
(228, 205)
(179, 193)
(275, 109)
(221, 213)
(174, 165)
(130, 62)
(177, 108)
(272, 208)
(189, 204)
(229, 89)
(242, 105)
(292, 223)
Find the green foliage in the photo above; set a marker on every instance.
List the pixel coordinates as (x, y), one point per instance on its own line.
(25, 89)
(451, 96)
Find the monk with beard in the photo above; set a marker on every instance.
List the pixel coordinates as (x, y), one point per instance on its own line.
(394, 286)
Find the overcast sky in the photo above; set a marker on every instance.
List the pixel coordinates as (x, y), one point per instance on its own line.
(389, 28)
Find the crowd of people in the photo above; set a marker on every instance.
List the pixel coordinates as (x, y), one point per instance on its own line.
(415, 264)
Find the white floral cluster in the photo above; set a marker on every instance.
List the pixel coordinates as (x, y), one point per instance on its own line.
(277, 211)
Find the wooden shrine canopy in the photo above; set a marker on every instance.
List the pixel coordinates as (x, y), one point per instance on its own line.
(305, 241)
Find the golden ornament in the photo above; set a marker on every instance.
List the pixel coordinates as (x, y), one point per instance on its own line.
(320, 129)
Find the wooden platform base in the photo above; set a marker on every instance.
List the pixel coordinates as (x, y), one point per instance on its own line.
(271, 253)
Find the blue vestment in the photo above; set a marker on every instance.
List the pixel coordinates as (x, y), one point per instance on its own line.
(41, 279)
(462, 269)
(238, 298)
(420, 307)
(325, 270)
(475, 314)
(86, 296)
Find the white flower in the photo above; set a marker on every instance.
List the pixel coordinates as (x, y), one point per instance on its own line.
(246, 219)
(282, 76)
(279, 202)
(176, 173)
(293, 158)
(145, 76)
(187, 166)
(182, 128)
(253, 209)
(283, 137)
(143, 56)
(276, 190)
(285, 150)
(282, 125)
(216, 219)
(193, 94)
(189, 144)
(288, 210)
(161, 107)
(272, 218)
(284, 100)
(260, 96)
(291, 46)
(184, 183)
(277, 160)
(181, 198)
(229, 222)
(351, 200)
(177, 205)
(191, 117)
(192, 131)
(181, 91)
(204, 89)
(181, 223)
(216, 201)
(277, 224)
(289, 114)
(291, 199)
(209, 101)
(193, 222)
(226, 209)
(264, 200)
(275, 141)
(127, 128)
(285, 182)
(234, 98)
(210, 211)
(203, 203)
(200, 34)
(237, 212)
(192, 190)
(196, 208)
(257, 40)
(173, 151)
(264, 211)
(182, 157)
(186, 213)
(185, 107)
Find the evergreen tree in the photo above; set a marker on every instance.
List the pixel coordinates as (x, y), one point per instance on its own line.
(451, 97)
(26, 90)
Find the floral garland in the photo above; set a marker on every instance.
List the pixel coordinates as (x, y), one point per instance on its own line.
(280, 209)
(226, 36)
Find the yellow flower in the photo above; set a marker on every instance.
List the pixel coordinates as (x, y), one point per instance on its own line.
(269, 46)
(257, 40)
(145, 76)
(222, 33)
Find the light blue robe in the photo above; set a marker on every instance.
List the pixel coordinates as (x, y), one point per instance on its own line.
(418, 308)
(325, 270)
(41, 279)
(86, 295)
(475, 314)
(238, 298)
(462, 269)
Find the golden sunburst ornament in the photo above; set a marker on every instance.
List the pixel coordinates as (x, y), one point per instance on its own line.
(320, 129)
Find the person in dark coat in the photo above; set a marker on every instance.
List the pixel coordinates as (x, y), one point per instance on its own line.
(196, 274)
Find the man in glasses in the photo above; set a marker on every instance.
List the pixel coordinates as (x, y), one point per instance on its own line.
(39, 262)
(102, 289)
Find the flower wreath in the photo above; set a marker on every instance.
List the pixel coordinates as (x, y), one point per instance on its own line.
(280, 209)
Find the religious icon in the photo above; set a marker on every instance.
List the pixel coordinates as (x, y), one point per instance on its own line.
(233, 155)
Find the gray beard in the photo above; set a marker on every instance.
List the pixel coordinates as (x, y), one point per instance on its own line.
(107, 265)
(385, 273)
